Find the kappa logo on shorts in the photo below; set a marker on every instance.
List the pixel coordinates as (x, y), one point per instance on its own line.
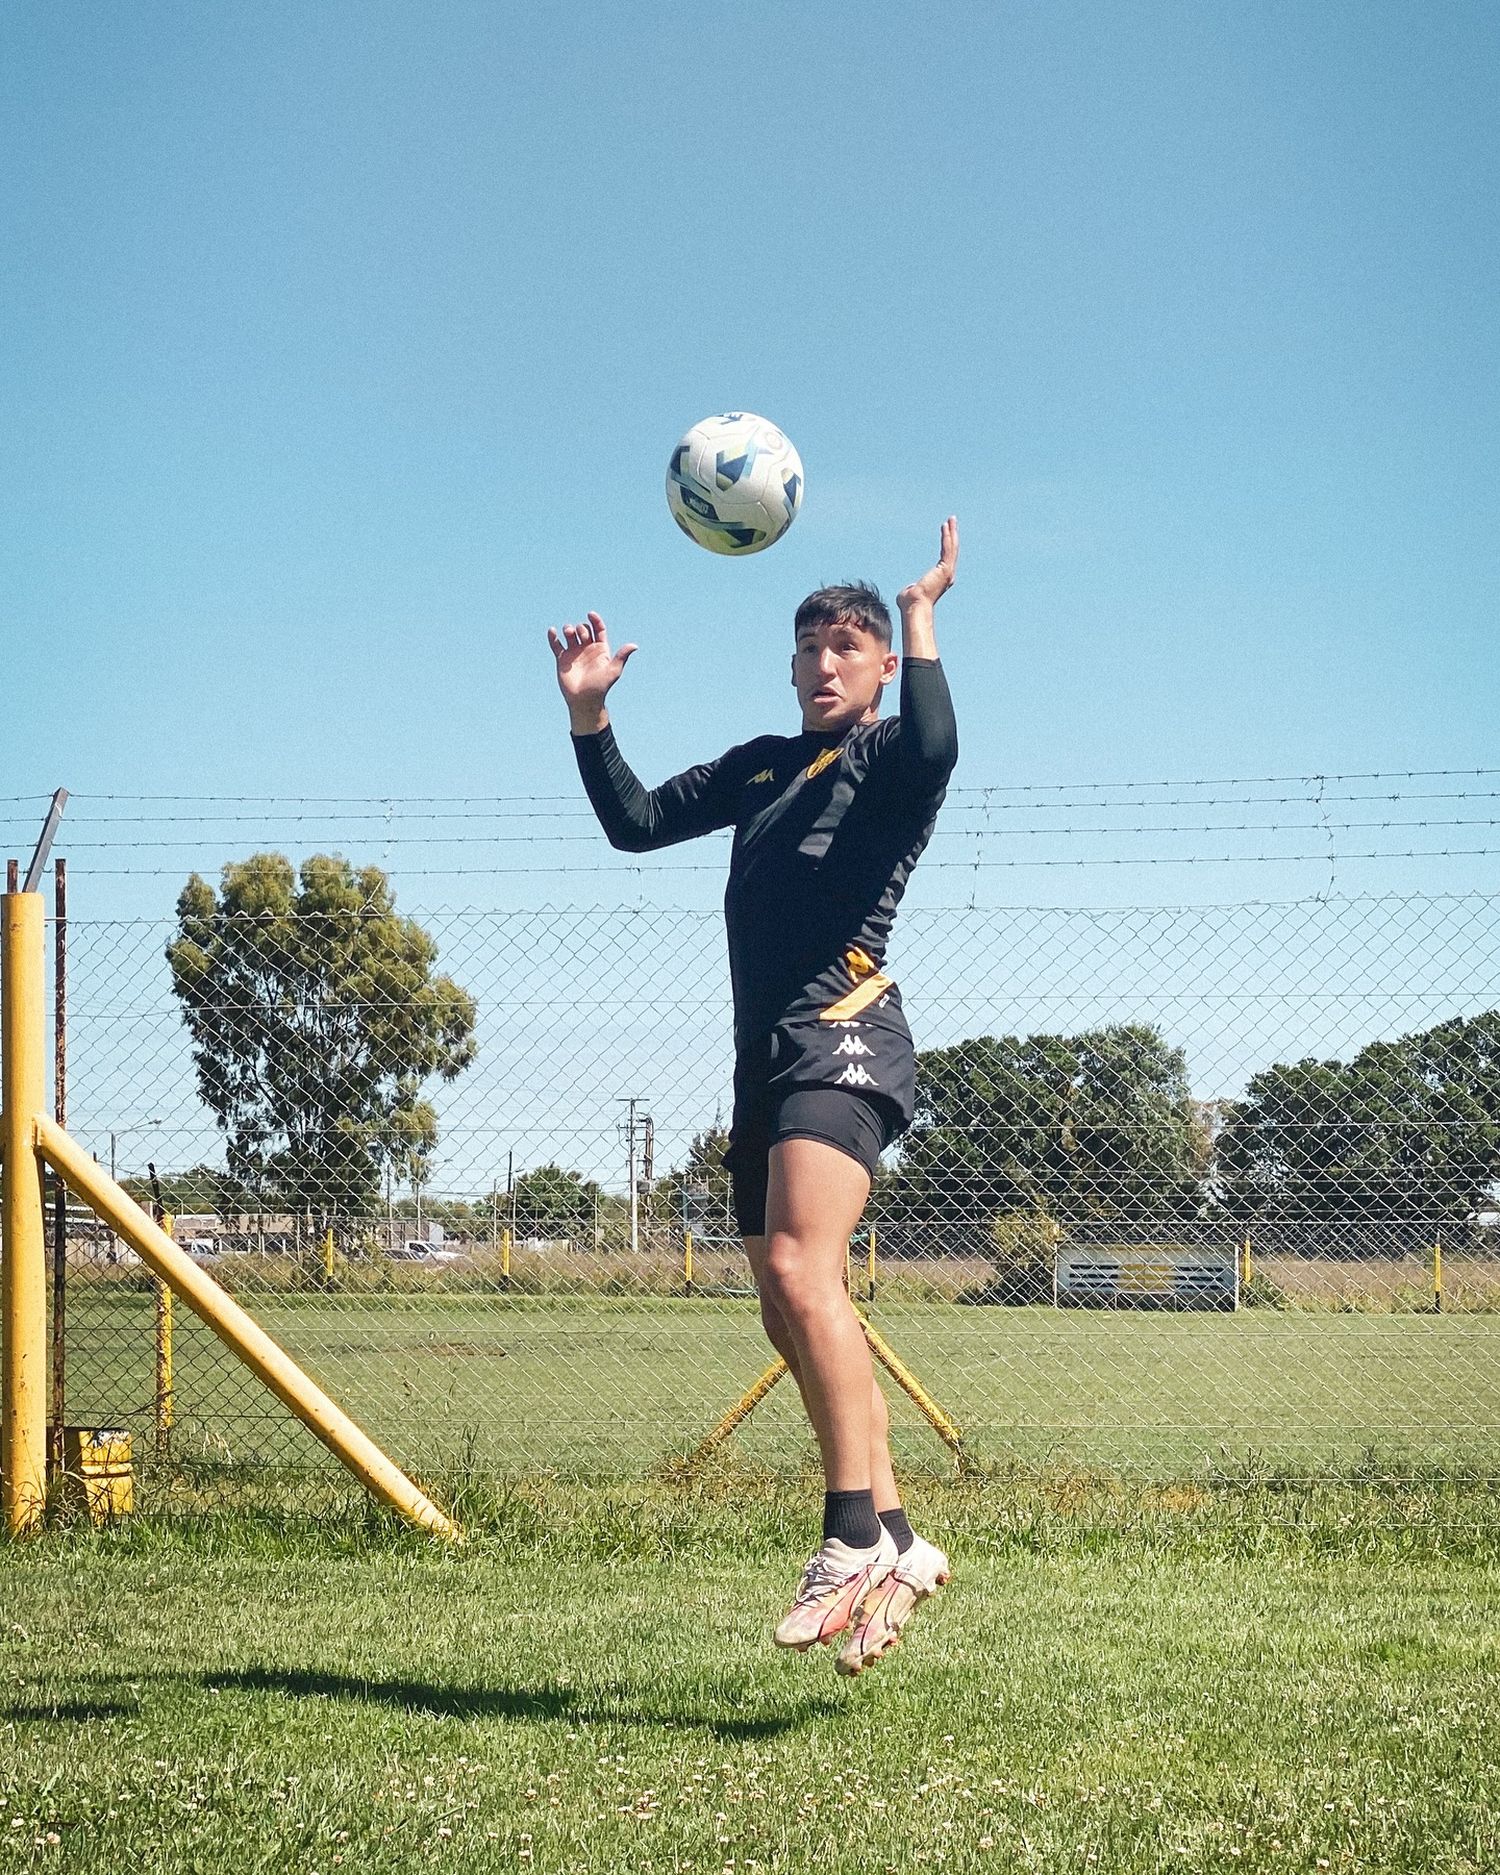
(852, 1045)
(856, 1076)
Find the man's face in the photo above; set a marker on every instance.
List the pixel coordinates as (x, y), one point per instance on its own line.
(838, 672)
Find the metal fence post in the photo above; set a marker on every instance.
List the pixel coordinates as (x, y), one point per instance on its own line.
(60, 1198)
(166, 1405)
(23, 1218)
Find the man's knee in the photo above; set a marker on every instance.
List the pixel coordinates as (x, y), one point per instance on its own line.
(793, 1286)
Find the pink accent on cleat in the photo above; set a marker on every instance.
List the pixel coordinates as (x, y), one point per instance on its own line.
(833, 1584)
(889, 1604)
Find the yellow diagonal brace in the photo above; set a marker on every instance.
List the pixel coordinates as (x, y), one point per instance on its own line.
(740, 1411)
(945, 1428)
(243, 1335)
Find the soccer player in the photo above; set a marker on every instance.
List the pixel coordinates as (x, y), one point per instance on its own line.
(827, 827)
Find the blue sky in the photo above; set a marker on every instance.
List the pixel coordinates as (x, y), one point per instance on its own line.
(345, 346)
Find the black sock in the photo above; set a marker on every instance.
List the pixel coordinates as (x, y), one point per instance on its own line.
(850, 1516)
(900, 1529)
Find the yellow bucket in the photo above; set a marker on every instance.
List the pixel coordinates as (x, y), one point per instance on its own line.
(98, 1475)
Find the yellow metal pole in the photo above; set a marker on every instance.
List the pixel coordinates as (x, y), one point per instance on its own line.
(1245, 1268)
(743, 1407)
(164, 1404)
(328, 1254)
(1437, 1275)
(870, 1267)
(23, 1220)
(945, 1428)
(241, 1333)
(687, 1261)
(505, 1257)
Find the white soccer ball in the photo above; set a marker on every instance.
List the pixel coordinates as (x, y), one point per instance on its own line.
(734, 483)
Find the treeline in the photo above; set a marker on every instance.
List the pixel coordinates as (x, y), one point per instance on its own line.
(1103, 1124)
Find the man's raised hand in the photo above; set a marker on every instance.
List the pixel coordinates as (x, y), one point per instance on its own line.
(927, 590)
(587, 670)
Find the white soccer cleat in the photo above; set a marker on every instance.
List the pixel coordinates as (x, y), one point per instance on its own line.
(888, 1604)
(833, 1584)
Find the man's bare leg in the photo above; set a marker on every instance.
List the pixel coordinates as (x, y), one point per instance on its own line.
(814, 1199)
(809, 1220)
(882, 1475)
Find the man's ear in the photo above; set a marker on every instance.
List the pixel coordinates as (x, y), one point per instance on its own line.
(889, 666)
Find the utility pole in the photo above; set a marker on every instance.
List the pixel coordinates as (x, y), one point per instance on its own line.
(648, 1163)
(635, 1196)
(640, 1129)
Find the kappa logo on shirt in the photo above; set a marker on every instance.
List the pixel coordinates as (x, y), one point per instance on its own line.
(766, 774)
(852, 1045)
(856, 1076)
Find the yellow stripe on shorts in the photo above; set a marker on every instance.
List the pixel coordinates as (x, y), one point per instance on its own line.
(869, 987)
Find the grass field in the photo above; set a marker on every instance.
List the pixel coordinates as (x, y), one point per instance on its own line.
(612, 1385)
(1112, 1684)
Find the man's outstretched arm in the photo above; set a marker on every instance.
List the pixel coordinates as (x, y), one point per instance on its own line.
(929, 734)
(635, 819)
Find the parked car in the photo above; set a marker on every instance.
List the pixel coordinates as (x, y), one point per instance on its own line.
(437, 1256)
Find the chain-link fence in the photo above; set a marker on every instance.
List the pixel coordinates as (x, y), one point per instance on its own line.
(1188, 1187)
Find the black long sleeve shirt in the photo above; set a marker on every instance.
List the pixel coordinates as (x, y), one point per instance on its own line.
(827, 827)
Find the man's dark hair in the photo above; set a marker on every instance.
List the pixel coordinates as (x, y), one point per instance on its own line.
(857, 604)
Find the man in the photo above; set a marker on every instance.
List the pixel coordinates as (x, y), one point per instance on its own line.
(828, 825)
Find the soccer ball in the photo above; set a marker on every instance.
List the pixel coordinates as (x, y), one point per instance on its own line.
(734, 483)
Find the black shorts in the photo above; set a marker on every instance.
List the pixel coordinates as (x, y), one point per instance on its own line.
(849, 1083)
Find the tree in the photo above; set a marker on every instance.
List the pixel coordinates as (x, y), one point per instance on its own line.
(1100, 1124)
(316, 1014)
(1408, 1129)
(553, 1203)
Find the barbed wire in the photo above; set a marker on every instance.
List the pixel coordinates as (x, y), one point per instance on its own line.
(969, 833)
(571, 807)
(1222, 781)
(929, 865)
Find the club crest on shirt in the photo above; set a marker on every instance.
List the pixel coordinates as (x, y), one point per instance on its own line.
(816, 766)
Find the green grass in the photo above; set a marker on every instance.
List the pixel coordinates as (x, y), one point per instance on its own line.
(612, 1385)
(1115, 1682)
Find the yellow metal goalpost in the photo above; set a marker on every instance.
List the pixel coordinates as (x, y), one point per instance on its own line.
(31, 1142)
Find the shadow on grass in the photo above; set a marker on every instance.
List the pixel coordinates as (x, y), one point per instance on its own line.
(517, 1702)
